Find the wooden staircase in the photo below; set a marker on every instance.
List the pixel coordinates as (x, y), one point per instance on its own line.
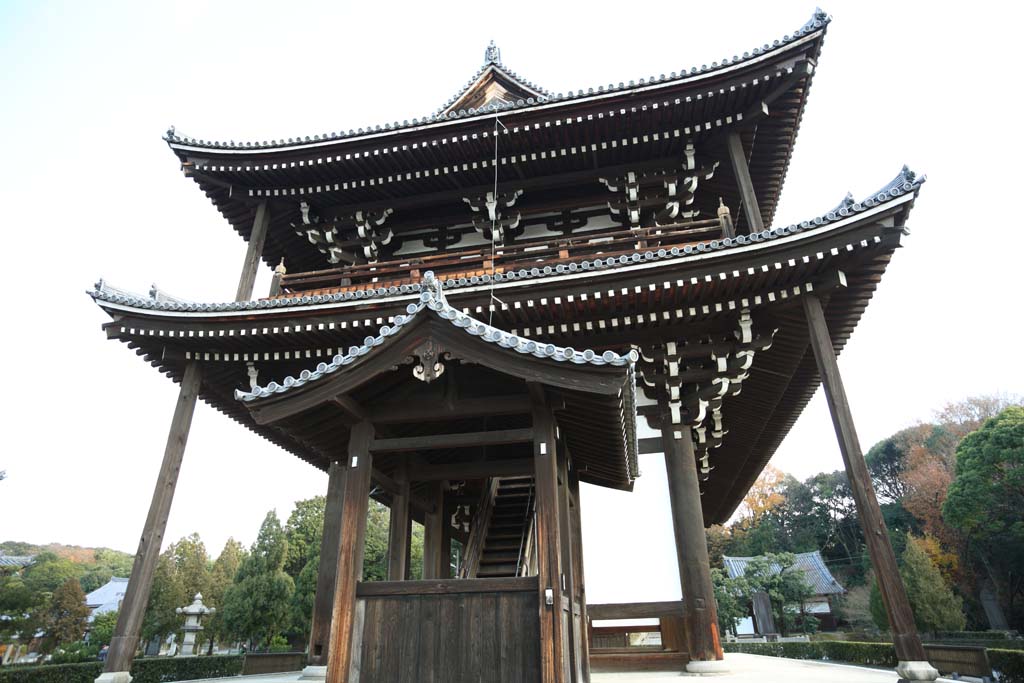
(504, 540)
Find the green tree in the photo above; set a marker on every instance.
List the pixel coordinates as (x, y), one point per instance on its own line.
(304, 530)
(192, 565)
(16, 602)
(102, 628)
(784, 583)
(304, 597)
(222, 576)
(258, 606)
(66, 615)
(375, 562)
(732, 596)
(48, 572)
(166, 595)
(935, 606)
(986, 503)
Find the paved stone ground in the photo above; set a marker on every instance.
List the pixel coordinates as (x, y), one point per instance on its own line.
(757, 669)
(743, 669)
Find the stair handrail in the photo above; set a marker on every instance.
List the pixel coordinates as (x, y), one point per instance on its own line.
(478, 529)
(526, 540)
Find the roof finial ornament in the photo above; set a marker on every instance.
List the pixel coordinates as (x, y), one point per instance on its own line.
(492, 55)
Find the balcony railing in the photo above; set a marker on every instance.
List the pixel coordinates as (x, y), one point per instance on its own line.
(483, 260)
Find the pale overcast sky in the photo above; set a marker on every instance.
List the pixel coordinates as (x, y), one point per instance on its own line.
(89, 189)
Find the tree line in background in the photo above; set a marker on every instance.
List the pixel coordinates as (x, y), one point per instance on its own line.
(952, 494)
(263, 594)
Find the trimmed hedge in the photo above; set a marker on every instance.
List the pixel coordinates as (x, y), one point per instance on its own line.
(869, 654)
(1009, 664)
(51, 673)
(151, 670)
(974, 635)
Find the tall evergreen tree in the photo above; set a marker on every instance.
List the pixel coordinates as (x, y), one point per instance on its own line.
(258, 606)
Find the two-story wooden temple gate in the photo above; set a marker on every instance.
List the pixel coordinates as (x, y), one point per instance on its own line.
(484, 305)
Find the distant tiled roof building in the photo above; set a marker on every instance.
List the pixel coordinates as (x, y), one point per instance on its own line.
(16, 560)
(813, 566)
(108, 597)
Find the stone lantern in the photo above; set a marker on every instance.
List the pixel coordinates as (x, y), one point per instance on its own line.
(193, 615)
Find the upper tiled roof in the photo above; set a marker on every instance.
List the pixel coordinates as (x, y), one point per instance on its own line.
(432, 298)
(818, 21)
(492, 63)
(906, 182)
(811, 564)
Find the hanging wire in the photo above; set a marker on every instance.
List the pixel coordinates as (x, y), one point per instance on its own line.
(492, 298)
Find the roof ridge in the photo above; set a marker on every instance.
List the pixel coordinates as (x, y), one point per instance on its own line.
(818, 22)
(432, 298)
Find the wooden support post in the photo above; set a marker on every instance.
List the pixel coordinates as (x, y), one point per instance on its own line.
(725, 220)
(133, 608)
(569, 565)
(345, 637)
(399, 528)
(323, 604)
(700, 609)
(549, 553)
(746, 186)
(913, 664)
(580, 577)
(253, 252)
(433, 533)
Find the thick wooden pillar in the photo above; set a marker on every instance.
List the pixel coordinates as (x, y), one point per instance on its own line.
(741, 172)
(399, 528)
(910, 653)
(355, 503)
(433, 534)
(553, 646)
(568, 538)
(700, 609)
(323, 604)
(133, 608)
(578, 572)
(253, 253)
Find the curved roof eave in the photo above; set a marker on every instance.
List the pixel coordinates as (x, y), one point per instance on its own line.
(903, 187)
(432, 299)
(814, 27)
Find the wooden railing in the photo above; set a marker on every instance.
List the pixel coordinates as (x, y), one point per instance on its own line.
(611, 648)
(526, 254)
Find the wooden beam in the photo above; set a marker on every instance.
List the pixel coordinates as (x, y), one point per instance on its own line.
(399, 527)
(471, 470)
(323, 605)
(701, 610)
(906, 640)
(635, 610)
(395, 412)
(445, 441)
(433, 532)
(518, 584)
(350, 554)
(133, 608)
(253, 253)
(746, 186)
(549, 554)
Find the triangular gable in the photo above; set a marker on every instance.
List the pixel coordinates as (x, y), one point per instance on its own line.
(493, 84)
